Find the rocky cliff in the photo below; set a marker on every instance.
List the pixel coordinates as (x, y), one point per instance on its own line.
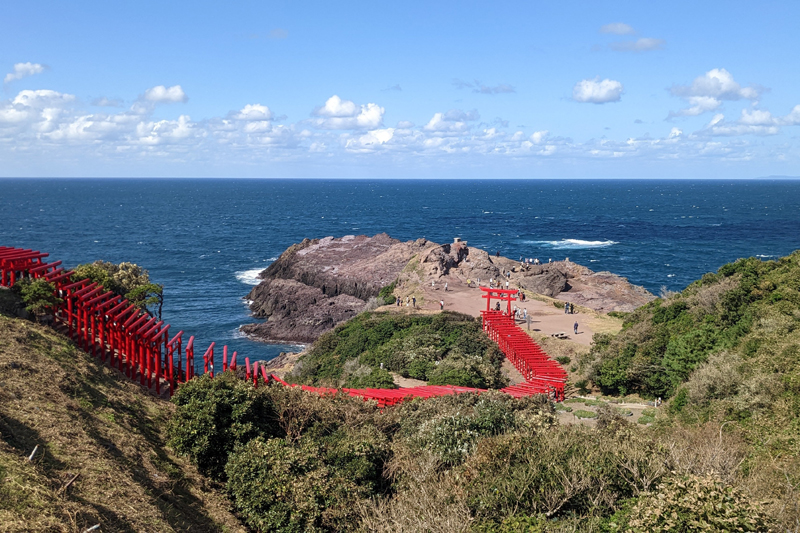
(319, 283)
(316, 284)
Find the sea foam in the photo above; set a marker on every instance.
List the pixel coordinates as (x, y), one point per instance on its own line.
(250, 277)
(573, 244)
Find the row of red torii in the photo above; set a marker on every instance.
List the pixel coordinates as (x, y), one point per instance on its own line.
(138, 344)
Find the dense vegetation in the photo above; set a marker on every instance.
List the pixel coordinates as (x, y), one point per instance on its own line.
(128, 280)
(442, 349)
(460, 463)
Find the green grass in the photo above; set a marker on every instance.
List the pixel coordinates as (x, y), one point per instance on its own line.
(580, 413)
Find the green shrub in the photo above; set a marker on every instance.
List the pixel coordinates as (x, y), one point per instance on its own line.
(692, 503)
(312, 485)
(581, 413)
(39, 296)
(446, 348)
(386, 294)
(214, 415)
(378, 378)
(645, 419)
(563, 359)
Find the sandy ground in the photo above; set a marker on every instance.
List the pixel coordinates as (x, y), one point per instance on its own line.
(545, 317)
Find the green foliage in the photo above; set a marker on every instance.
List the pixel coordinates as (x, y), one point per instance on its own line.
(386, 294)
(582, 413)
(378, 378)
(39, 296)
(450, 426)
(214, 415)
(446, 349)
(664, 342)
(564, 360)
(127, 280)
(311, 485)
(692, 503)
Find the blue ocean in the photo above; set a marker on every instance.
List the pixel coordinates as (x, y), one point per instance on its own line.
(207, 239)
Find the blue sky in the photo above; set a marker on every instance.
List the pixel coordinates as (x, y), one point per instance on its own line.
(413, 89)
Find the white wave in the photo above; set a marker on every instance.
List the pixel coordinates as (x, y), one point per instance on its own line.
(573, 244)
(250, 277)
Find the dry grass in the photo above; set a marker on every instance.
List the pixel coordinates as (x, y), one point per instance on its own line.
(91, 421)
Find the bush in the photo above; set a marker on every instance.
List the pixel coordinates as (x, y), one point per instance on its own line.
(581, 413)
(39, 296)
(692, 503)
(128, 280)
(214, 415)
(386, 294)
(563, 359)
(312, 485)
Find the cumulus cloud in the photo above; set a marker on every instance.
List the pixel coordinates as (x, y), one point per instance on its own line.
(452, 121)
(166, 95)
(338, 114)
(23, 70)
(370, 140)
(42, 98)
(617, 28)
(644, 44)
(707, 92)
(254, 112)
(538, 136)
(596, 91)
(716, 83)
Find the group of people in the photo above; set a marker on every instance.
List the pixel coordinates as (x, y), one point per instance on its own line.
(533, 260)
(412, 300)
(569, 309)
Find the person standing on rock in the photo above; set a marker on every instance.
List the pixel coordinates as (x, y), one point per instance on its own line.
(575, 327)
(441, 305)
(566, 308)
(572, 309)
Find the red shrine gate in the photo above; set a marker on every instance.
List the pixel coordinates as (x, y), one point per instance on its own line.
(541, 373)
(138, 344)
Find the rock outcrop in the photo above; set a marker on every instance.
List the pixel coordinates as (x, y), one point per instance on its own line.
(319, 283)
(316, 284)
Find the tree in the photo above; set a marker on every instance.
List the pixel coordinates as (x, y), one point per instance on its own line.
(39, 296)
(129, 280)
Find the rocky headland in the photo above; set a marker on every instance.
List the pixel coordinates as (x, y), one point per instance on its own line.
(316, 284)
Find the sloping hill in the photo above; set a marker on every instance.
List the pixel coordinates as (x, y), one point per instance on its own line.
(88, 421)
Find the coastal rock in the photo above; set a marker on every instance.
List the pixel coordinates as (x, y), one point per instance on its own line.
(319, 283)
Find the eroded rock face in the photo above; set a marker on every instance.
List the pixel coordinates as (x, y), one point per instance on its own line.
(316, 284)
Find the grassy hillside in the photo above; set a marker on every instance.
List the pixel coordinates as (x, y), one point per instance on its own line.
(442, 349)
(88, 421)
(727, 347)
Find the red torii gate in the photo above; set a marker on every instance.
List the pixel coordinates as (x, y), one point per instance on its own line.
(504, 295)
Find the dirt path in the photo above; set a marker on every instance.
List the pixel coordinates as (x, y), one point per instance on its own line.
(545, 317)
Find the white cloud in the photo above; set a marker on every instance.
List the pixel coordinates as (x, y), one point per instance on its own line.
(370, 140)
(106, 102)
(716, 83)
(644, 44)
(42, 98)
(793, 118)
(23, 70)
(254, 112)
(164, 131)
(617, 28)
(161, 94)
(338, 114)
(757, 118)
(707, 92)
(538, 136)
(675, 133)
(596, 91)
(405, 125)
(453, 121)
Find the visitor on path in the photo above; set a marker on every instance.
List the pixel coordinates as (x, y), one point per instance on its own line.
(433, 283)
(445, 286)
(497, 254)
(497, 308)
(525, 314)
(414, 301)
(550, 260)
(575, 327)
(407, 301)
(566, 308)
(398, 301)
(572, 309)
(441, 305)
(507, 284)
